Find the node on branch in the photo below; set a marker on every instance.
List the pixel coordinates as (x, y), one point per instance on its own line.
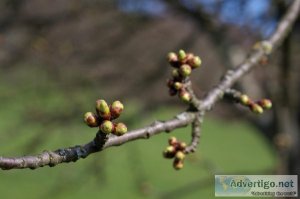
(104, 116)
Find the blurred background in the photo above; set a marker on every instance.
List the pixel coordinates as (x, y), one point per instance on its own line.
(58, 56)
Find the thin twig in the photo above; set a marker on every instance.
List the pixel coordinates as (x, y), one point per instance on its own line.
(196, 133)
(195, 102)
(235, 74)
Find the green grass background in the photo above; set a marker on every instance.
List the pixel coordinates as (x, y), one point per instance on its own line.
(39, 114)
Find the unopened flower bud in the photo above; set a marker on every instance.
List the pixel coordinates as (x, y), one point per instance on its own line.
(244, 99)
(103, 109)
(195, 62)
(265, 103)
(181, 146)
(120, 129)
(180, 155)
(256, 108)
(185, 96)
(178, 85)
(107, 127)
(175, 73)
(172, 57)
(267, 47)
(169, 152)
(188, 57)
(116, 109)
(178, 164)
(185, 70)
(172, 141)
(181, 55)
(91, 119)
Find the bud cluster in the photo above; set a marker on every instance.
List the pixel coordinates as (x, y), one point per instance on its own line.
(266, 46)
(183, 64)
(104, 116)
(175, 150)
(256, 107)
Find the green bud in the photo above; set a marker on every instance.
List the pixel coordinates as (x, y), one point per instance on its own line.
(256, 108)
(195, 62)
(244, 99)
(180, 155)
(185, 96)
(265, 103)
(103, 109)
(120, 129)
(91, 119)
(116, 109)
(172, 57)
(107, 127)
(178, 85)
(267, 47)
(175, 73)
(181, 55)
(185, 70)
(178, 164)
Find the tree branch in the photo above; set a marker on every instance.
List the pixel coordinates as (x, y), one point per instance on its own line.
(100, 142)
(196, 133)
(253, 59)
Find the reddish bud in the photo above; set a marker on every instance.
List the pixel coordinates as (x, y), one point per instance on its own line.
(172, 57)
(256, 108)
(120, 129)
(116, 109)
(265, 103)
(91, 119)
(185, 96)
(181, 146)
(172, 141)
(188, 57)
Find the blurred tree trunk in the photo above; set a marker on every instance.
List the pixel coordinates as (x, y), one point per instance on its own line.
(286, 110)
